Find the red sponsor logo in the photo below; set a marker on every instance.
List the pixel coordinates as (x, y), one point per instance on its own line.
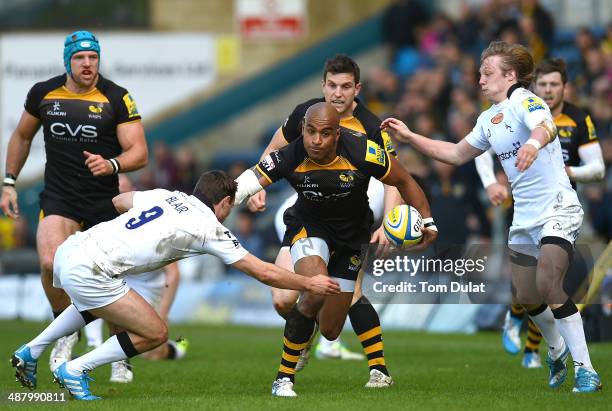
(497, 118)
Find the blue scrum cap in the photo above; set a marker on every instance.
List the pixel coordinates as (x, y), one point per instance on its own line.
(79, 41)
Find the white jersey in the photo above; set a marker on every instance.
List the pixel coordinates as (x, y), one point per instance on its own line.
(544, 186)
(161, 227)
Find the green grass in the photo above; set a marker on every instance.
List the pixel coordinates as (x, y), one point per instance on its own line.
(233, 368)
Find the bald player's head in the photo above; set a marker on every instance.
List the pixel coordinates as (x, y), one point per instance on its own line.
(323, 110)
(321, 132)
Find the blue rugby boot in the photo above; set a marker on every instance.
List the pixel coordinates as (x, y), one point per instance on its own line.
(25, 367)
(511, 338)
(531, 360)
(587, 380)
(558, 369)
(77, 385)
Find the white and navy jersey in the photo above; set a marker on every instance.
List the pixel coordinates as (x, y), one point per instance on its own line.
(161, 227)
(506, 127)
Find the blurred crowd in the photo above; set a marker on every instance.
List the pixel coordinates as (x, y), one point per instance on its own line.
(431, 82)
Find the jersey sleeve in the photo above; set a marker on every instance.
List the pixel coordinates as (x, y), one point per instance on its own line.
(586, 131)
(374, 160)
(35, 96)
(532, 111)
(383, 139)
(278, 164)
(477, 137)
(291, 128)
(223, 244)
(123, 104)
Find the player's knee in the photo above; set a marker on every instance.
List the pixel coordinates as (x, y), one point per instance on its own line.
(161, 335)
(282, 307)
(331, 331)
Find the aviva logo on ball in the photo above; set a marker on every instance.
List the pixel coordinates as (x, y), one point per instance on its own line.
(403, 226)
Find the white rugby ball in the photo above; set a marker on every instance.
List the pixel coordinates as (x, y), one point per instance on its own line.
(403, 226)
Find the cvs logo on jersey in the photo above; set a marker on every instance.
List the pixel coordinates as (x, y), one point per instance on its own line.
(62, 129)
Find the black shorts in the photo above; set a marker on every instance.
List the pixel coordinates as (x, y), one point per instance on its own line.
(344, 262)
(86, 216)
(354, 234)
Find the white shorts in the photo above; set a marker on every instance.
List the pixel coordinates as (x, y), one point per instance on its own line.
(376, 197)
(86, 284)
(149, 285)
(564, 223)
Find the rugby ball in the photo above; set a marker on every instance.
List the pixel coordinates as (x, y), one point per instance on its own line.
(403, 226)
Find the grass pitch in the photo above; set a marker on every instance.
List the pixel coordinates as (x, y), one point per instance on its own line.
(233, 368)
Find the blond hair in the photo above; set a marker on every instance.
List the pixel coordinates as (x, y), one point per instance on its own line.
(513, 57)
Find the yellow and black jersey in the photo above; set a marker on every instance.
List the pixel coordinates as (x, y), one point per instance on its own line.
(575, 129)
(73, 123)
(362, 123)
(331, 197)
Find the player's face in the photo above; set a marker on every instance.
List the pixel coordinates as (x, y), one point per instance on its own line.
(550, 88)
(493, 82)
(84, 66)
(340, 91)
(320, 139)
(224, 208)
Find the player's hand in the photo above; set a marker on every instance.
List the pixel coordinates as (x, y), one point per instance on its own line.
(323, 285)
(429, 236)
(526, 156)
(398, 129)
(379, 238)
(8, 202)
(97, 164)
(497, 193)
(257, 202)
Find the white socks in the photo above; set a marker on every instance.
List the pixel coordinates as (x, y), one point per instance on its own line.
(548, 327)
(69, 321)
(325, 343)
(572, 330)
(93, 332)
(108, 352)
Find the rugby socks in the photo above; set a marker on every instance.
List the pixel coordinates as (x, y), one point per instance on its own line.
(534, 337)
(543, 318)
(570, 326)
(116, 348)
(298, 330)
(517, 311)
(366, 325)
(93, 332)
(69, 321)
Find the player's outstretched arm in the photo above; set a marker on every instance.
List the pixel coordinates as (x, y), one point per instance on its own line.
(16, 154)
(257, 202)
(278, 277)
(450, 153)
(124, 201)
